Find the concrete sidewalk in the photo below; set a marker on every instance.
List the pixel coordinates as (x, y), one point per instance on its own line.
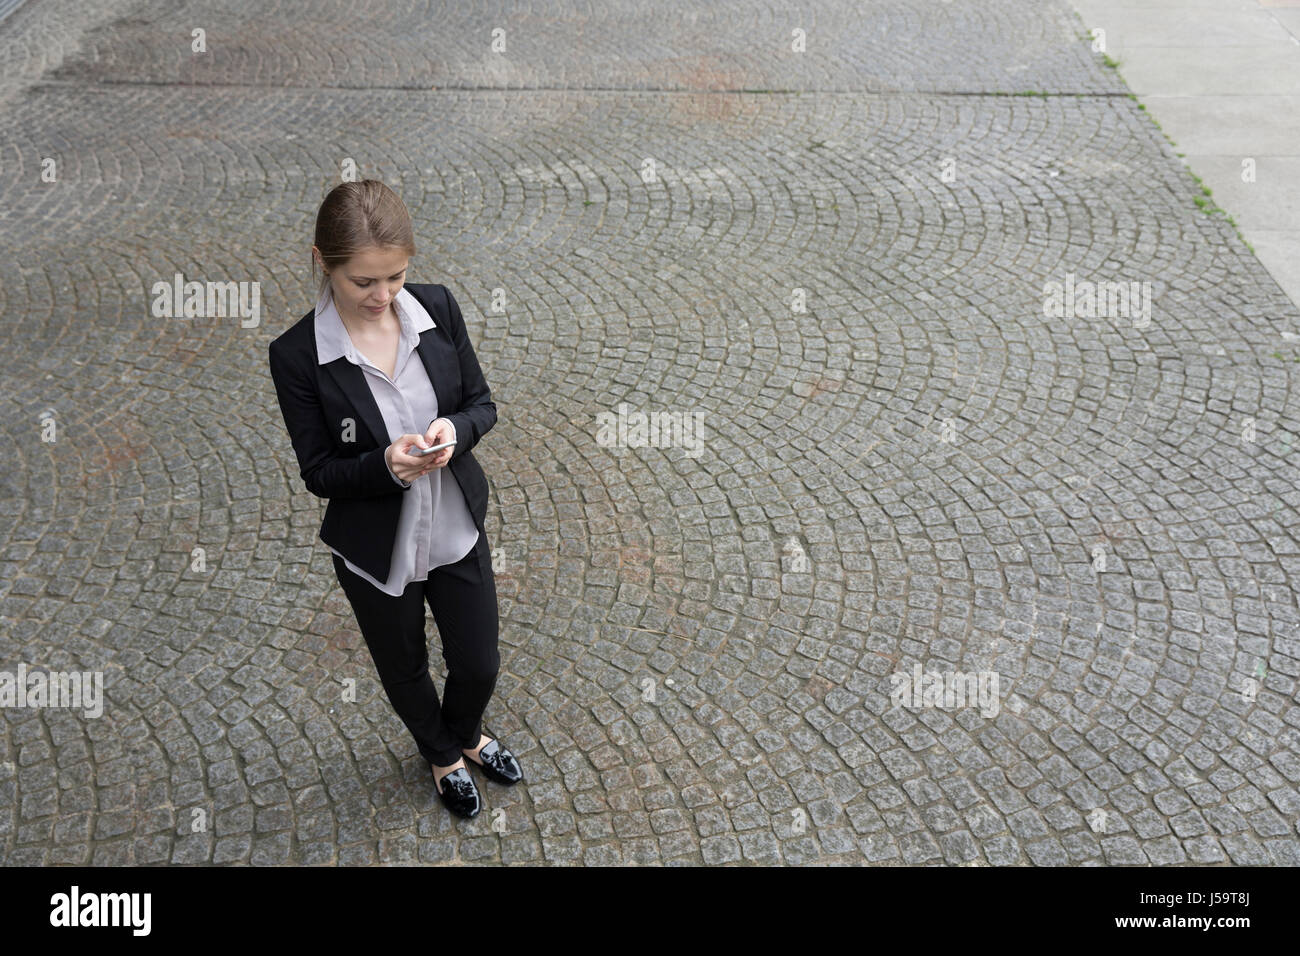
(1222, 78)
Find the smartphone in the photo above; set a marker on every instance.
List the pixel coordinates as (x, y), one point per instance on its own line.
(418, 451)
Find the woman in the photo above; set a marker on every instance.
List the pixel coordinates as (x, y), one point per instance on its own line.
(355, 379)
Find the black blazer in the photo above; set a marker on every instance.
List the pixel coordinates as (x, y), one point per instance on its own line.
(317, 402)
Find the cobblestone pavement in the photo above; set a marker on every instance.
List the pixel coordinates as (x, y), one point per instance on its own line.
(910, 463)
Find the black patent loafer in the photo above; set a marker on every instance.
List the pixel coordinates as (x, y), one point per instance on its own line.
(498, 763)
(458, 793)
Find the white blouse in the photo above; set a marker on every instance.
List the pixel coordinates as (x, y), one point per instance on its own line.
(435, 526)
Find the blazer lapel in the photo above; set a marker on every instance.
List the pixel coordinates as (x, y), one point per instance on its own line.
(438, 353)
(352, 381)
(438, 357)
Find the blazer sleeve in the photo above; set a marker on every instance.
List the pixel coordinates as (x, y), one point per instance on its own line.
(477, 413)
(326, 473)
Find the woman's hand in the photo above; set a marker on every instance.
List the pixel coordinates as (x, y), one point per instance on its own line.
(409, 467)
(440, 431)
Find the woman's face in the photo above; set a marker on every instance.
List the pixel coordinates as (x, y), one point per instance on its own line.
(364, 286)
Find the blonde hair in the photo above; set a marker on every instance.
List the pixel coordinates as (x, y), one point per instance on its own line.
(355, 216)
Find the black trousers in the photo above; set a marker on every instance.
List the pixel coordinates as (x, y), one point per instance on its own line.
(463, 598)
